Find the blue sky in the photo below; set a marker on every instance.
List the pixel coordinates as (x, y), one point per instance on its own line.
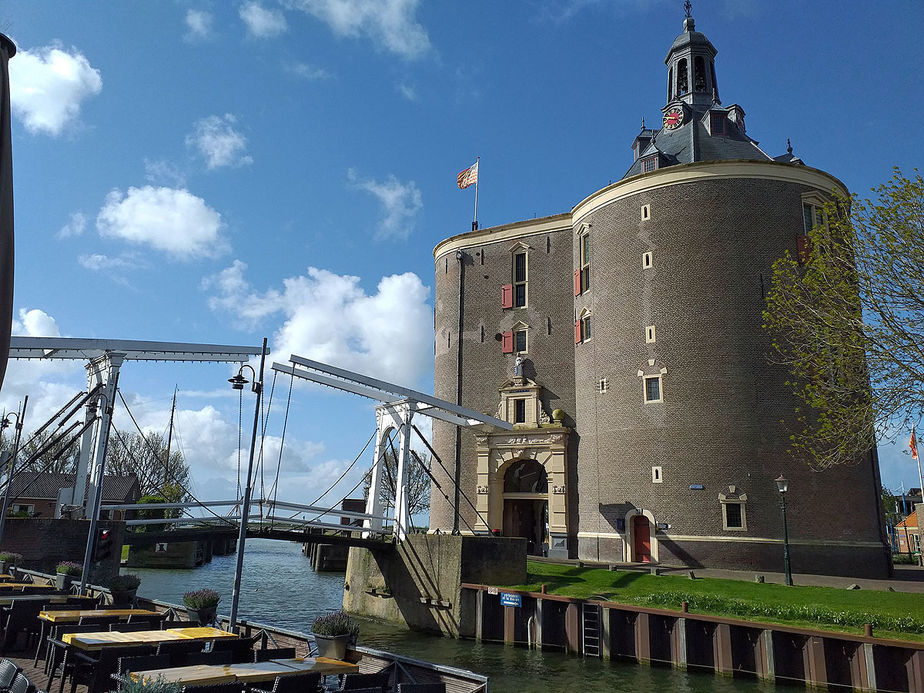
(217, 171)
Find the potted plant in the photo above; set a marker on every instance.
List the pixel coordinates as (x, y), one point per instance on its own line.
(158, 685)
(203, 604)
(123, 588)
(9, 560)
(66, 571)
(332, 632)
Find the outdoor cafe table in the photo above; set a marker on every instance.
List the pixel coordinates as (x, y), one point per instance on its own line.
(103, 639)
(247, 672)
(56, 598)
(74, 615)
(19, 585)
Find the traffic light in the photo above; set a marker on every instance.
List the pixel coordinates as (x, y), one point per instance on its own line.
(103, 545)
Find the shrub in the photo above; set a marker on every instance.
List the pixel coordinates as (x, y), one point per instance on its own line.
(158, 685)
(123, 583)
(334, 624)
(10, 557)
(201, 599)
(69, 568)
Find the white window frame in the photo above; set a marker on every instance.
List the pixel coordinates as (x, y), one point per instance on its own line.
(741, 499)
(645, 379)
(647, 260)
(646, 212)
(657, 475)
(650, 335)
(584, 262)
(513, 276)
(586, 316)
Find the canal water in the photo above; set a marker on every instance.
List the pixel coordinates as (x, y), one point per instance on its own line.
(279, 588)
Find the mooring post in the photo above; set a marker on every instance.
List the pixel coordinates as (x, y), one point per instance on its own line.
(722, 650)
(642, 638)
(606, 635)
(679, 644)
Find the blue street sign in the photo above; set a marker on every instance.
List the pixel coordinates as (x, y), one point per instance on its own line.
(511, 599)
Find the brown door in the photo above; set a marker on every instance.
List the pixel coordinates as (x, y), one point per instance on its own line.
(641, 530)
(525, 518)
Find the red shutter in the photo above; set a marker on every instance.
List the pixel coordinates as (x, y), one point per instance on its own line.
(507, 296)
(804, 245)
(507, 342)
(577, 332)
(577, 282)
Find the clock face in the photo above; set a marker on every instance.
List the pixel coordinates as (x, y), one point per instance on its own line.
(673, 119)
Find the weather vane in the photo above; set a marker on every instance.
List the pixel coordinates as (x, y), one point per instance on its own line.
(688, 8)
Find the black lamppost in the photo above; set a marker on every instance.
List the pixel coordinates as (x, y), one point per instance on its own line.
(782, 485)
(237, 383)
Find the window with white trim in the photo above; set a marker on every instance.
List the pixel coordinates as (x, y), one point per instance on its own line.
(646, 212)
(585, 261)
(519, 279)
(650, 334)
(734, 516)
(519, 341)
(646, 260)
(652, 388)
(656, 477)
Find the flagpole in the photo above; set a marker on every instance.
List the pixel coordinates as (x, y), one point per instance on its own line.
(477, 176)
(918, 458)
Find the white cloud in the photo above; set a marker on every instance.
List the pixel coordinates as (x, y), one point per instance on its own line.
(198, 25)
(400, 204)
(330, 318)
(75, 226)
(164, 173)
(218, 141)
(173, 221)
(35, 323)
(97, 262)
(261, 22)
(408, 91)
(47, 86)
(307, 72)
(391, 24)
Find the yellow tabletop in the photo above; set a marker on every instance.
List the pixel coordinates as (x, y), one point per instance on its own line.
(20, 585)
(103, 639)
(9, 598)
(6, 576)
(74, 615)
(248, 672)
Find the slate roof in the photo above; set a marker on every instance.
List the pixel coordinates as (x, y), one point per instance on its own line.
(45, 485)
(693, 142)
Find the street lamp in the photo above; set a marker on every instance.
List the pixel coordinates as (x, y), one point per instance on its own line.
(782, 485)
(237, 383)
(4, 423)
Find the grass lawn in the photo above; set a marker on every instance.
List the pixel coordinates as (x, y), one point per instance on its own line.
(897, 615)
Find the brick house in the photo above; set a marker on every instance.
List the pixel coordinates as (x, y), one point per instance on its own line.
(35, 494)
(908, 534)
(623, 339)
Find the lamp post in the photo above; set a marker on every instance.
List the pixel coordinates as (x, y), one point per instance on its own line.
(782, 485)
(237, 383)
(4, 423)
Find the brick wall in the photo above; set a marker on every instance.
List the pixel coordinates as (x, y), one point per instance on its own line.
(44, 543)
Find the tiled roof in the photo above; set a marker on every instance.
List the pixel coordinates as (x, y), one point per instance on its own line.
(46, 485)
(911, 522)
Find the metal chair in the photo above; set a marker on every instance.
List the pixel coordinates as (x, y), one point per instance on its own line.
(377, 681)
(215, 688)
(131, 627)
(178, 650)
(104, 621)
(221, 657)
(295, 683)
(142, 663)
(8, 671)
(269, 653)
(22, 684)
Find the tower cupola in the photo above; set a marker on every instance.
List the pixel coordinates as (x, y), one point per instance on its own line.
(691, 66)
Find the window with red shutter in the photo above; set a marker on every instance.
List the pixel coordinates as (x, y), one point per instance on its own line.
(507, 342)
(507, 296)
(577, 332)
(804, 247)
(577, 282)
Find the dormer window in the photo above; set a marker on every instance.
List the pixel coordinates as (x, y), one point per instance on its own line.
(649, 163)
(718, 124)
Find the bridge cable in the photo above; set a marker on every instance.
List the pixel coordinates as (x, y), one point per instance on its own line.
(167, 466)
(282, 442)
(32, 458)
(451, 476)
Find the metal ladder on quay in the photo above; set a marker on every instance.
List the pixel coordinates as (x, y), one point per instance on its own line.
(590, 630)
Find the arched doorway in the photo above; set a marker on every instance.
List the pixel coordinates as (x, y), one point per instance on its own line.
(641, 539)
(526, 506)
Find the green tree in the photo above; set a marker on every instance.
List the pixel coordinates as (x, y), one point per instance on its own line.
(46, 452)
(146, 458)
(848, 323)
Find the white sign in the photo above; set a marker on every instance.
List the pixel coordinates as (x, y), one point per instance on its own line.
(160, 548)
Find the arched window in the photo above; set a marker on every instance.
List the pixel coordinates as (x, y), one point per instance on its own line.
(683, 84)
(699, 74)
(670, 85)
(526, 476)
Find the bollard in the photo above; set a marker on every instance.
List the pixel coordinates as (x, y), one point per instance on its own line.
(685, 607)
(868, 630)
(542, 588)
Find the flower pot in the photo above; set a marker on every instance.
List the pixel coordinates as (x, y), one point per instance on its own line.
(332, 646)
(205, 616)
(123, 597)
(63, 581)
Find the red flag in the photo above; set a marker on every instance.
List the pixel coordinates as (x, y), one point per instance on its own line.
(913, 445)
(468, 177)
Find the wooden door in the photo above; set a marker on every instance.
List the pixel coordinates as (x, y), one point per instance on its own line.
(641, 530)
